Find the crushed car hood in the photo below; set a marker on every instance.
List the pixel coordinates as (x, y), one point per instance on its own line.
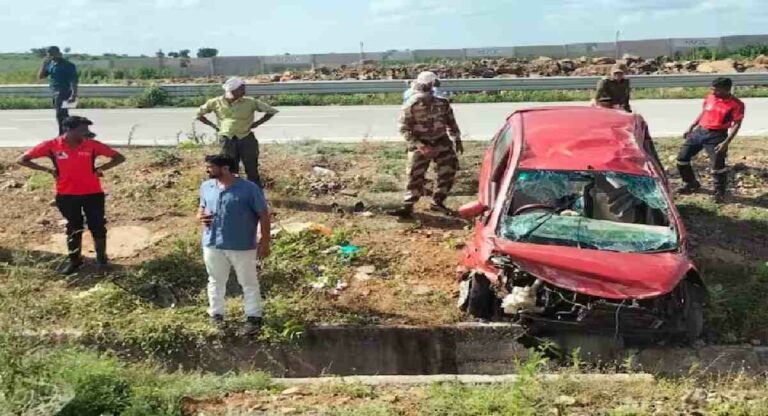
(599, 273)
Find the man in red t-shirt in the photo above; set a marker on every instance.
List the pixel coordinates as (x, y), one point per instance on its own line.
(78, 189)
(710, 132)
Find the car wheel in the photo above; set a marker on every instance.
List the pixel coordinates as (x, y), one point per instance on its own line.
(480, 298)
(694, 301)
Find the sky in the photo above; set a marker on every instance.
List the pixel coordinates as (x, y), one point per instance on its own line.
(257, 27)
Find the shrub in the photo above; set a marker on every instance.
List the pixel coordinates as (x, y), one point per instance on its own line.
(151, 97)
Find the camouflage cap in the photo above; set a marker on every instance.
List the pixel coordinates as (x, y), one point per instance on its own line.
(426, 77)
(618, 68)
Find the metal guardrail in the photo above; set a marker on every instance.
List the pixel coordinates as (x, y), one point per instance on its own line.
(383, 86)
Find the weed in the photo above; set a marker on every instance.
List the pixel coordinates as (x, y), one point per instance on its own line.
(99, 386)
(25, 385)
(290, 185)
(40, 181)
(386, 184)
(77, 382)
(194, 139)
(131, 132)
(180, 273)
(377, 409)
(353, 390)
(151, 97)
(164, 158)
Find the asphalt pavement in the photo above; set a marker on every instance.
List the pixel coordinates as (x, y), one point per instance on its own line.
(166, 126)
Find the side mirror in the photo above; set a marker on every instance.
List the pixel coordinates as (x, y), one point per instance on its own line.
(472, 210)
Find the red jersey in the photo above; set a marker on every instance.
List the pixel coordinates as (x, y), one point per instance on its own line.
(75, 166)
(721, 113)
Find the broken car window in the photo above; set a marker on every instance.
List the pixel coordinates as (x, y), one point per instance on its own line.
(596, 210)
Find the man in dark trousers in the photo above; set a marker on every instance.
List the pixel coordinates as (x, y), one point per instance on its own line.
(62, 78)
(78, 188)
(235, 114)
(710, 132)
(614, 91)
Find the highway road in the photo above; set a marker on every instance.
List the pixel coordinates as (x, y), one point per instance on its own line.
(164, 126)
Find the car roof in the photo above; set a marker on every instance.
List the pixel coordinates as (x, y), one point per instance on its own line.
(581, 138)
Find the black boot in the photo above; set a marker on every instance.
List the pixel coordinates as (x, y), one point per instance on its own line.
(439, 206)
(406, 211)
(252, 326)
(218, 322)
(721, 184)
(74, 249)
(689, 178)
(100, 245)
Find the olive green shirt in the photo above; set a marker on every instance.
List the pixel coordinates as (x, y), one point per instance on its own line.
(235, 119)
(617, 91)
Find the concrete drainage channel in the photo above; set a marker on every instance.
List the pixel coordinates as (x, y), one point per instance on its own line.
(471, 349)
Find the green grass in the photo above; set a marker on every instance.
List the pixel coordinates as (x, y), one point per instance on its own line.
(40, 180)
(28, 75)
(157, 308)
(154, 97)
(77, 382)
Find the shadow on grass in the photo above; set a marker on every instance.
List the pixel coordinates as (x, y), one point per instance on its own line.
(760, 201)
(172, 280)
(731, 254)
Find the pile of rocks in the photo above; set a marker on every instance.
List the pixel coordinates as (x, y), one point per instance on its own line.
(508, 68)
(512, 67)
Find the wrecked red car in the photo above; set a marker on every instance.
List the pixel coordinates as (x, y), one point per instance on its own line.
(575, 228)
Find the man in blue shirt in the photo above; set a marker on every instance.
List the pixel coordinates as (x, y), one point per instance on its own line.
(231, 209)
(62, 78)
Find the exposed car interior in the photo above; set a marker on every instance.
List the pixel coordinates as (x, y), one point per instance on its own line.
(589, 209)
(596, 195)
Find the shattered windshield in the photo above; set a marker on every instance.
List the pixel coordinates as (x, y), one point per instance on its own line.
(593, 210)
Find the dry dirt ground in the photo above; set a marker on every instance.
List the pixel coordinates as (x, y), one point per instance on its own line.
(152, 199)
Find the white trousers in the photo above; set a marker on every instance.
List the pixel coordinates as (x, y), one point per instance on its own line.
(218, 263)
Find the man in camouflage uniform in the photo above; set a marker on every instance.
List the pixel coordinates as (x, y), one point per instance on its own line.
(614, 91)
(427, 124)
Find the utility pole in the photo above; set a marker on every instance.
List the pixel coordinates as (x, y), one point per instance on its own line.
(362, 54)
(618, 44)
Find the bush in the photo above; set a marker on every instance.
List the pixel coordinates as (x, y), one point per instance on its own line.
(75, 382)
(94, 75)
(151, 97)
(164, 158)
(99, 388)
(25, 379)
(752, 51)
(151, 73)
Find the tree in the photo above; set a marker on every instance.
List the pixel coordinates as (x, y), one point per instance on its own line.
(173, 54)
(67, 49)
(207, 52)
(160, 54)
(184, 53)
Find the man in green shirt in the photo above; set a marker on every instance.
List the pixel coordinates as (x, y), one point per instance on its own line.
(235, 114)
(613, 91)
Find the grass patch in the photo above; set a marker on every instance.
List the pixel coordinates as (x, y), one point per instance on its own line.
(76, 382)
(155, 97)
(40, 180)
(157, 308)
